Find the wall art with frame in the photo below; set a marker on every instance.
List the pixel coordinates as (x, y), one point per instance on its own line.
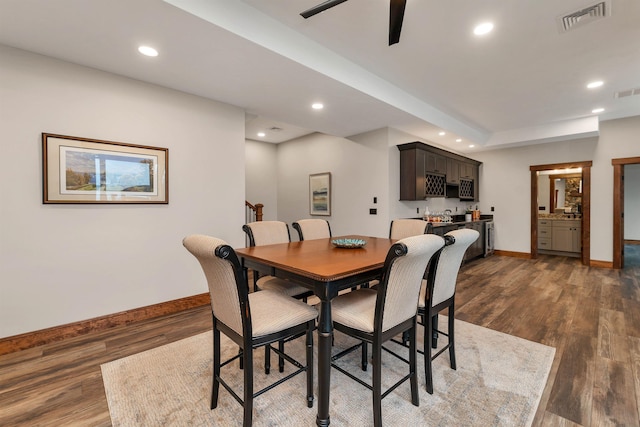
(83, 170)
(320, 194)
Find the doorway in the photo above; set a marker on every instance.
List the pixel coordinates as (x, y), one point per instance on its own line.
(586, 206)
(618, 208)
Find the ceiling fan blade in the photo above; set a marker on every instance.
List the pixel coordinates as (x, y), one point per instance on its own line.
(396, 15)
(321, 8)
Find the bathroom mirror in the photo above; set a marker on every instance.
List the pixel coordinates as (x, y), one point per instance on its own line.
(565, 193)
(560, 191)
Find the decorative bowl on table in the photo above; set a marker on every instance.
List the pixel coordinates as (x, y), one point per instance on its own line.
(349, 243)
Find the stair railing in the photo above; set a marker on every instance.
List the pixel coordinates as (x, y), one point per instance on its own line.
(253, 212)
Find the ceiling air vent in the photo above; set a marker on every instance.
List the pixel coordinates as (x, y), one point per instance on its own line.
(628, 92)
(584, 16)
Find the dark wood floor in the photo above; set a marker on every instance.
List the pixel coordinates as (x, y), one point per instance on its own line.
(591, 316)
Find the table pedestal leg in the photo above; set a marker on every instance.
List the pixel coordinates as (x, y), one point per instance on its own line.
(324, 363)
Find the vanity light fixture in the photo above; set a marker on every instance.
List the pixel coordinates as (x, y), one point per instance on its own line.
(595, 84)
(482, 29)
(147, 51)
(459, 140)
(262, 134)
(471, 146)
(597, 110)
(442, 133)
(317, 106)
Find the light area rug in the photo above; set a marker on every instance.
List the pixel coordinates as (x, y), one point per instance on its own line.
(498, 382)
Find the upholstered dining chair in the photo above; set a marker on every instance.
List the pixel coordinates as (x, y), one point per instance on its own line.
(262, 233)
(248, 319)
(401, 228)
(438, 292)
(309, 229)
(376, 316)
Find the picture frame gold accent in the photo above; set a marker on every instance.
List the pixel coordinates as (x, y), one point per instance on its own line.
(320, 194)
(83, 170)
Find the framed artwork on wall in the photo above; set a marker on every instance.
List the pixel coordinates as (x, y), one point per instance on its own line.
(82, 170)
(320, 194)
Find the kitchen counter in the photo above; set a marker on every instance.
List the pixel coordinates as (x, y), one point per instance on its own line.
(444, 224)
(560, 217)
(481, 247)
(459, 221)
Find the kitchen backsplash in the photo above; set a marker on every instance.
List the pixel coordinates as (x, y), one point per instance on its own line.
(440, 204)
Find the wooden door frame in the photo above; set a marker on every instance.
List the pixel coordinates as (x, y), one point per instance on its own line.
(618, 205)
(586, 205)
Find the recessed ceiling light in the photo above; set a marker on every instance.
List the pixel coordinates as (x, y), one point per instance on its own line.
(458, 140)
(595, 84)
(442, 133)
(261, 134)
(597, 110)
(471, 146)
(483, 28)
(147, 51)
(317, 106)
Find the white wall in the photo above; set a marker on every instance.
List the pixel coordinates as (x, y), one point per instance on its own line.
(65, 263)
(618, 139)
(362, 167)
(359, 172)
(262, 176)
(632, 202)
(543, 193)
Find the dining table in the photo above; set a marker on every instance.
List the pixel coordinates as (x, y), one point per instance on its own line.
(325, 269)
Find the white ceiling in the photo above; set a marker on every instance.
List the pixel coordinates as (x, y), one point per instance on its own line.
(523, 83)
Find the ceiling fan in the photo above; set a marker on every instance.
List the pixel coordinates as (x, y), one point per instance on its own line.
(396, 14)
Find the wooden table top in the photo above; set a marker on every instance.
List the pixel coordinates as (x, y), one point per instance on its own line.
(319, 259)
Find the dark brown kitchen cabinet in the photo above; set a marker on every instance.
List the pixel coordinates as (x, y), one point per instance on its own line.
(427, 171)
(444, 229)
(466, 170)
(453, 171)
(466, 189)
(416, 181)
(476, 183)
(435, 163)
(412, 175)
(477, 248)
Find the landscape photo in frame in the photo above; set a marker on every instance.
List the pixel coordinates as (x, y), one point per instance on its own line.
(81, 170)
